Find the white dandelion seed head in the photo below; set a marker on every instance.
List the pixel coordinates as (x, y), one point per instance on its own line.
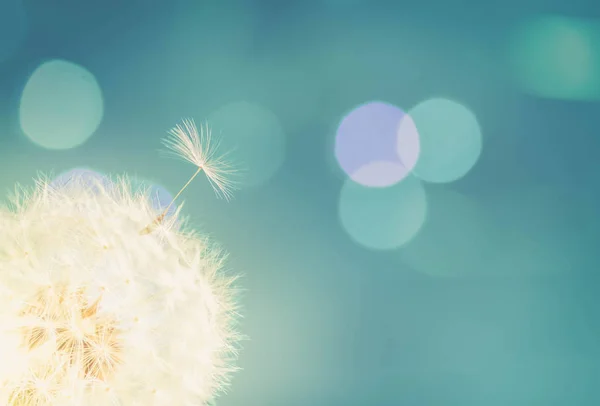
(198, 147)
(92, 313)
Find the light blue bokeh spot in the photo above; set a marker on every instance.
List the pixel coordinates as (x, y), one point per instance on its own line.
(450, 140)
(383, 218)
(61, 105)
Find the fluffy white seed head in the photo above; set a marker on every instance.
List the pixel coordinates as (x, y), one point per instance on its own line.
(93, 313)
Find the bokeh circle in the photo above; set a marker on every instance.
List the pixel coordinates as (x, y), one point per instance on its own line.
(382, 218)
(379, 136)
(61, 105)
(457, 237)
(78, 177)
(556, 57)
(159, 197)
(253, 138)
(450, 137)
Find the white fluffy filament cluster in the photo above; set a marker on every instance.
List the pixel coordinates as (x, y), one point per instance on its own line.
(93, 313)
(198, 147)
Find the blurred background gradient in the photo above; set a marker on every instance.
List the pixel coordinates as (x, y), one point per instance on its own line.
(417, 222)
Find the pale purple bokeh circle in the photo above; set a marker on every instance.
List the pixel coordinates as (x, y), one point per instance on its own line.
(159, 197)
(81, 177)
(379, 136)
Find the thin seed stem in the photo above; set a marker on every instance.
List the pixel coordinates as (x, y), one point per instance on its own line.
(181, 191)
(149, 228)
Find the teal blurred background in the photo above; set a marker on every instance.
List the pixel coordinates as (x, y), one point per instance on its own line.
(471, 281)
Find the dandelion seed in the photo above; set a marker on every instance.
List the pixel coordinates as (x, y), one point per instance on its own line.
(197, 147)
(93, 314)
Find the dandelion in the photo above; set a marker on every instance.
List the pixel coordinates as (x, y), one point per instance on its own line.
(93, 313)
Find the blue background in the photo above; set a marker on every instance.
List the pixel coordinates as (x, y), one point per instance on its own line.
(332, 322)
